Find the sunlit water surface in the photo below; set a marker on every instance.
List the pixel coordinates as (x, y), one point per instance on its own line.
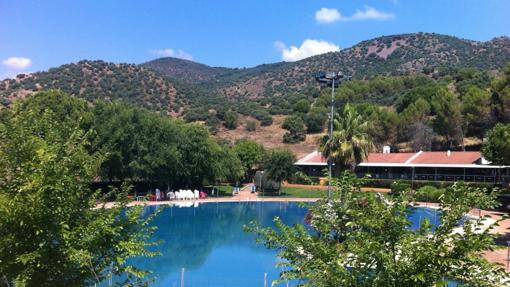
(208, 241)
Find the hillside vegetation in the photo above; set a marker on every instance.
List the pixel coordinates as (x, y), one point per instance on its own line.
(420, 91)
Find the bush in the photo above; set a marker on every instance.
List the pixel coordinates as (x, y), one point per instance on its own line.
(296, 129)
(398, 187)
(251, 126)
(230, 120)
(315, 122)
(302, 106)
(301, 178)
(429, 193)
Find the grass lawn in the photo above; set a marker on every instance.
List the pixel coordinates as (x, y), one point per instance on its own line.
(296, 192)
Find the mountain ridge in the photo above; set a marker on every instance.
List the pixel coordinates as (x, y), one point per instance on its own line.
(153, 84)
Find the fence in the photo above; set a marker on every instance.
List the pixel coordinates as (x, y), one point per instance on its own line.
(184, 279)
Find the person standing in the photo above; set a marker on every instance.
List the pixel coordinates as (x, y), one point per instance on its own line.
(158, 194)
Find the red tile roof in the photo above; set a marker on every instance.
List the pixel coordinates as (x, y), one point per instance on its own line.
(442, 157)
(434, 157)
(389, 157)
(314, 158)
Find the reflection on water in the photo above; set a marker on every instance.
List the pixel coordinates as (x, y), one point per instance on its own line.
(209, 242)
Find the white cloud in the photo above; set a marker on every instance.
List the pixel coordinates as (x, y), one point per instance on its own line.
(371, 13)
(327, 15)
(308, 48)
(171, 53)
(17, 63)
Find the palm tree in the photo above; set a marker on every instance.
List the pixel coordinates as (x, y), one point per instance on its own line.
(350, 143)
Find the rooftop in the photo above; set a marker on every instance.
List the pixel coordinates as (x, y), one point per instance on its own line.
(421, 158)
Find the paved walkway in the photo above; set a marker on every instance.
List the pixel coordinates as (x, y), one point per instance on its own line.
(245, 193)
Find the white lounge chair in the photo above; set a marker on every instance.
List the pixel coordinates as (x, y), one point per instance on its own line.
(196, 194)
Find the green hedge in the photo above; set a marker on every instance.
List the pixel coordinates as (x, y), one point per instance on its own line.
(429, 193)
(301, 178)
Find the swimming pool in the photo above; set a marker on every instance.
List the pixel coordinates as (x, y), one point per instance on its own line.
(208, 241)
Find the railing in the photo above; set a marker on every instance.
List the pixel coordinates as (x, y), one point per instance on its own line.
(182, 279)
(440, 177)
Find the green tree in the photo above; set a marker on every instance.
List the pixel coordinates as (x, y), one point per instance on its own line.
(302, 106)
(501, 96)
(350, 143)
(279, 165)
(385, 126)
(138, 145)
(54, 229)
(315, 120)
(226, 165)
(295, 127)
(496, 146)
(230, 120)
(417, 111)
(448, 119)
(361, 239)
(250, 153)
(477, 111)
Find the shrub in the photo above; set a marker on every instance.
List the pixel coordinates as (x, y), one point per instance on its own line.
(315, 122)
(251, 126)
(230, 120)
(429, 193)
(302, 106)
(301, 178)
(296, 129)
(397, 187)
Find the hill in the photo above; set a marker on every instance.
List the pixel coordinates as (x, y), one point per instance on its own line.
(388, 55)
(95, 80)
(396, 82)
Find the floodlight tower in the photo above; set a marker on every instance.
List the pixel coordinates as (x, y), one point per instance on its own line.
(334, 80)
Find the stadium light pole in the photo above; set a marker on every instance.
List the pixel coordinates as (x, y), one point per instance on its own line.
(333, 79)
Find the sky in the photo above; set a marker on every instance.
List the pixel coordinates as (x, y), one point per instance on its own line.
(37, 35)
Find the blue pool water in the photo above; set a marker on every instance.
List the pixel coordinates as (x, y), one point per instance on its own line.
(208, 241)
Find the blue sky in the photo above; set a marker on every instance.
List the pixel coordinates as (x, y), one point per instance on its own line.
(37, 35)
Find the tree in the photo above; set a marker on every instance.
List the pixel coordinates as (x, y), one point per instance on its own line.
(315, 120)
(250, 153)
(350, 143)
(296, 129)
(496, 146)
(501, 96)
(226, 165)
(279, 165)
(360, 239)
(138, 145)
(54, 230)
(477, 111)
(384, 127)
(302, 106)
(448, 116)
(230, 120)
(421, 135)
